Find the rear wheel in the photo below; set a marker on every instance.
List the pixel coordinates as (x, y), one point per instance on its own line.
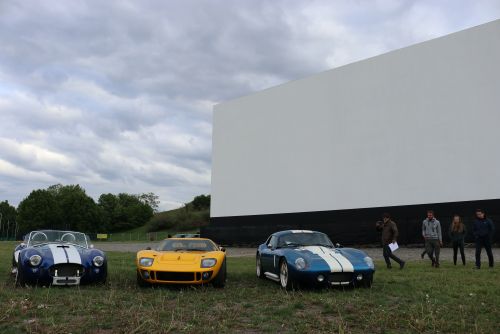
(258, 267)
(220, 280)
(286, 281)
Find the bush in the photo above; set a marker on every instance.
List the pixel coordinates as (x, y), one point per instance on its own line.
(180, 219)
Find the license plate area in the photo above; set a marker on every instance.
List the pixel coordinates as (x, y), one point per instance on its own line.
(66, 281)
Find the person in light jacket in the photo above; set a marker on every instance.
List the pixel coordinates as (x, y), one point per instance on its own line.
(431, 231)
(483, 230)
(457, 234)
(389, 235)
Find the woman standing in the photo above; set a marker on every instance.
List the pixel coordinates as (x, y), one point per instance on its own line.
(457, 234)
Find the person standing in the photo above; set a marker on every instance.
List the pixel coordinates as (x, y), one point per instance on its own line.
(483, 230)
(389, 235)
(431, 231)
(457, 234)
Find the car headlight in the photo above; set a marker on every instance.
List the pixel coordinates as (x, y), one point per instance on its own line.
(208, 263)
(300, 263)
(98, 261)
(35, 260)
(146, 261)
(368, 260)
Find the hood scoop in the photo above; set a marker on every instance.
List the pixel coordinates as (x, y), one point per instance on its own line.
(180, 258)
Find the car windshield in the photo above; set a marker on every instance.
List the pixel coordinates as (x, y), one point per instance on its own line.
(176, 245)
(304, 239)
(37, 238)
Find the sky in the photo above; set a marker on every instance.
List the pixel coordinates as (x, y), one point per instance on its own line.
(117, 96)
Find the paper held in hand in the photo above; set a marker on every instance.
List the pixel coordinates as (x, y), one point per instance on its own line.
(393, 246)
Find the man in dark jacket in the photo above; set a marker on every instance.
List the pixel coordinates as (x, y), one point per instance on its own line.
(483, 230)
(389, 235)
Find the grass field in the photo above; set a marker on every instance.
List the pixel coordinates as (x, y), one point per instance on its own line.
(418, 299)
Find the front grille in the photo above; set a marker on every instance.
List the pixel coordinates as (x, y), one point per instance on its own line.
(67, 270)
(340, 277)
(174, 276)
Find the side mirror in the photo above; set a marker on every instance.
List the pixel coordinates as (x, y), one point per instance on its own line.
(148, 248)
(223, 249)
(22, 245)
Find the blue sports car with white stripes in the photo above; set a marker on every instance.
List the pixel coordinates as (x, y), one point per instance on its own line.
(307, 257)
(50, 257)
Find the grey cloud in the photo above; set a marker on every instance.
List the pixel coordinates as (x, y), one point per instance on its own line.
(121, 92)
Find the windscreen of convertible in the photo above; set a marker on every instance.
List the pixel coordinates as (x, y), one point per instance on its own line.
(176, 245)
(304, 239)
(67, 237)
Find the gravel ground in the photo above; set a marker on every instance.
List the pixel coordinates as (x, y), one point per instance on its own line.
(376, 253)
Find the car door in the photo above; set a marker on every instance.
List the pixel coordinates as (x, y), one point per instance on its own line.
(267, 255)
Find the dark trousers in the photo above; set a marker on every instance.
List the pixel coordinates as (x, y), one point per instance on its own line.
(486, 243)
(432, 247)
(458, 244)
(389, 255)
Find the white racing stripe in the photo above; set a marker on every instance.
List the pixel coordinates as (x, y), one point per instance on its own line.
(336, 261)
(344, 262)
(58, 254)
(73, 255)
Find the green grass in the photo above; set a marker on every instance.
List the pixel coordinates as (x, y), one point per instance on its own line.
(418, 299)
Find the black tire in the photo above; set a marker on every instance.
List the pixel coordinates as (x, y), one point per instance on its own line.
(258, 267)
(220, 280)
(142, 283)
(367, 282)
(20, 281)
(103, 280)
(286, 281)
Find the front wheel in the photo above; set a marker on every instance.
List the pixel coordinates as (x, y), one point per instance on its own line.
(20, 281)
(141, 282)
(220, 280)
(286, 281)
(258, 267)
(367, 282)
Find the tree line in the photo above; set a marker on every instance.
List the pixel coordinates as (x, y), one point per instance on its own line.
(69, 207)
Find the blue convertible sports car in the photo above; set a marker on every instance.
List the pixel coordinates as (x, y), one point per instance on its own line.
(51, 257)
(308, 257)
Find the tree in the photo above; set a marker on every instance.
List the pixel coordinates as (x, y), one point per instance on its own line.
(124, 211)
(59, 207)
(8, 226)
(39, 210)
(78, 210)
(201, 202)
(150, 199)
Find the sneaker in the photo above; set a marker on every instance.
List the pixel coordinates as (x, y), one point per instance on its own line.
(402, 265)
(476, 268)
(436, 265)
(389, 267)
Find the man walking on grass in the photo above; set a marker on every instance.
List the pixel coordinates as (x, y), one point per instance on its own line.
(389, 235)
(431, 231)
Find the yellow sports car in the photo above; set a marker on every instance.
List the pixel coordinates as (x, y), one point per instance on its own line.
(182, 261)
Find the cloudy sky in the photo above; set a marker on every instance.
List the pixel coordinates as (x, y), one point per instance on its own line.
(117, 96)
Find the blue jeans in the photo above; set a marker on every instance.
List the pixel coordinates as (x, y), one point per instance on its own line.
(486, 243)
